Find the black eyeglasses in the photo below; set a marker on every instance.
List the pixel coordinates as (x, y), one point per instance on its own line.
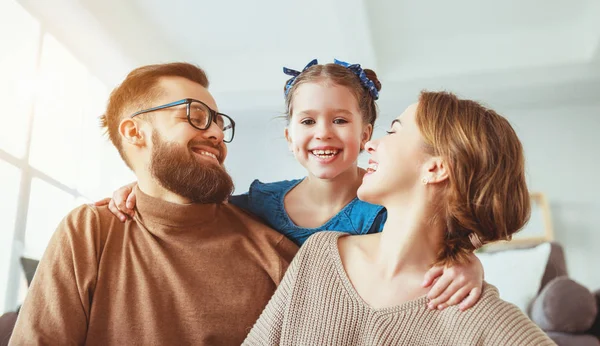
(200, 116)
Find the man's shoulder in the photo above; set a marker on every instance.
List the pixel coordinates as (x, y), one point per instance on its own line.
(251, 223)
(256, 230)
(88, 221)
(81, 215)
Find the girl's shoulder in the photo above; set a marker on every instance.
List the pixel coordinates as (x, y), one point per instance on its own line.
(265, 200)
(276, 189)
(366, 217)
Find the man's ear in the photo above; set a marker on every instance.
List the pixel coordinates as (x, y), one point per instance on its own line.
(437, 170)
(366, 136)
(131, 132)
(288, 138)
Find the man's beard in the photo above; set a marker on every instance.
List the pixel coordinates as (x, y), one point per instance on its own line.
(178, 170)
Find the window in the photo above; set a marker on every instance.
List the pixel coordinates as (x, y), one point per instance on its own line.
(53, 155)
(20, 32)
(10, 179)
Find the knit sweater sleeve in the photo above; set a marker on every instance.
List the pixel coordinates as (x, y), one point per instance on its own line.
(512, 326)
(268, 328)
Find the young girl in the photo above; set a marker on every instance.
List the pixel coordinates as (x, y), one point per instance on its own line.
(331, 112)
(451, 175)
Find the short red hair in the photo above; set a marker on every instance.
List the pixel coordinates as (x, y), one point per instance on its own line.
(137, 92)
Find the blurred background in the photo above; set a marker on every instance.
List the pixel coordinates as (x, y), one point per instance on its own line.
(537, 62)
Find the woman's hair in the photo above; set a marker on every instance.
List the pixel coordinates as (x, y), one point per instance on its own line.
(486, 193)
(338, 75)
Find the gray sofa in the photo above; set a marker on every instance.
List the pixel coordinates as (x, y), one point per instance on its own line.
(7, 323)
(563, 308)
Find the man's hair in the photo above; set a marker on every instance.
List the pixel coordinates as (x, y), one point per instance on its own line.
(487, 191)
(137, 92)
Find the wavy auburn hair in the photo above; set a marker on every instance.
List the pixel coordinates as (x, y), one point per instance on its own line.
(486, 191)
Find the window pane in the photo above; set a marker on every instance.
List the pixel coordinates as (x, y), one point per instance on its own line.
(19, 31)
(10, 179)
(56, 138)
(48, 205)
(101, 169)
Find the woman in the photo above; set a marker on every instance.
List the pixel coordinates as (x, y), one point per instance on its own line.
(451, 176)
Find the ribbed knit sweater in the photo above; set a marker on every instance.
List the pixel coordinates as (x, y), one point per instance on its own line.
(316, 304)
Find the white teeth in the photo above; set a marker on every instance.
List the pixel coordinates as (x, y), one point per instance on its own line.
(208, 154)
(372, 167)
(326, 153)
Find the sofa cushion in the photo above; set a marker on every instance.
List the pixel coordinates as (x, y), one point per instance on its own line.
(564, 306)
(565, 339)
(517, 273)
(7, 323)
(596, 326)
(557, 266)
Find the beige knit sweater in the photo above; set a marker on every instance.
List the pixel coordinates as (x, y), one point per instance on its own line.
(317, 305)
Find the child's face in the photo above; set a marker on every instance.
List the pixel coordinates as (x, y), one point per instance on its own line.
(326, 130)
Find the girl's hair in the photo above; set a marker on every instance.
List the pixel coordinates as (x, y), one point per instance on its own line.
(486, 192)
(338, 75)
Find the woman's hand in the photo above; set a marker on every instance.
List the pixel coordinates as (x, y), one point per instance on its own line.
(453, 285)
(122, 203)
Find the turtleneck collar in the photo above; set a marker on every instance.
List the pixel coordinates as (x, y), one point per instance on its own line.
(154, 212)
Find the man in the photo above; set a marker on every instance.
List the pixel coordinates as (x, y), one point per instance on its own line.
(187, 269)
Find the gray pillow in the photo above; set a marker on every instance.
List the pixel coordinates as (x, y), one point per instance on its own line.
(564, 306)
(596, 327)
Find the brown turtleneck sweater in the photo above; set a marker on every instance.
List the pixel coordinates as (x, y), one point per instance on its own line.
(174, 275)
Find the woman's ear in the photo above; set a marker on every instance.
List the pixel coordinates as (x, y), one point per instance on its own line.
(437, 170)
(366, 135)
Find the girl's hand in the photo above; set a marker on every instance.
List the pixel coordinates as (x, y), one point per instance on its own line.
(453, 285)
(122, 203)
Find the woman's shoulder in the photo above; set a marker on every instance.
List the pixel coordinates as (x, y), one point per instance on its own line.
(324, 237)
(322, 242)
(511, 325)
(491, 307)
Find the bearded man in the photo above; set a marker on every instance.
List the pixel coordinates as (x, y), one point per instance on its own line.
(187, 268)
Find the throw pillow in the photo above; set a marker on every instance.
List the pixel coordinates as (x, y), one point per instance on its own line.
(564, 306)
(516, 273)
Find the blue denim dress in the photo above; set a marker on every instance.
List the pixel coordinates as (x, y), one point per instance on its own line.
(265, 200)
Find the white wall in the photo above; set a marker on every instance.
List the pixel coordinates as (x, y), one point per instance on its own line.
(561, 146)
(259, 150)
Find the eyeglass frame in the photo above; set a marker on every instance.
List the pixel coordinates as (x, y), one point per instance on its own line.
(212, 115)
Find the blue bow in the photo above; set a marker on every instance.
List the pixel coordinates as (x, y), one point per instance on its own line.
(295, 74)
(364, 80)
(355, 68)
